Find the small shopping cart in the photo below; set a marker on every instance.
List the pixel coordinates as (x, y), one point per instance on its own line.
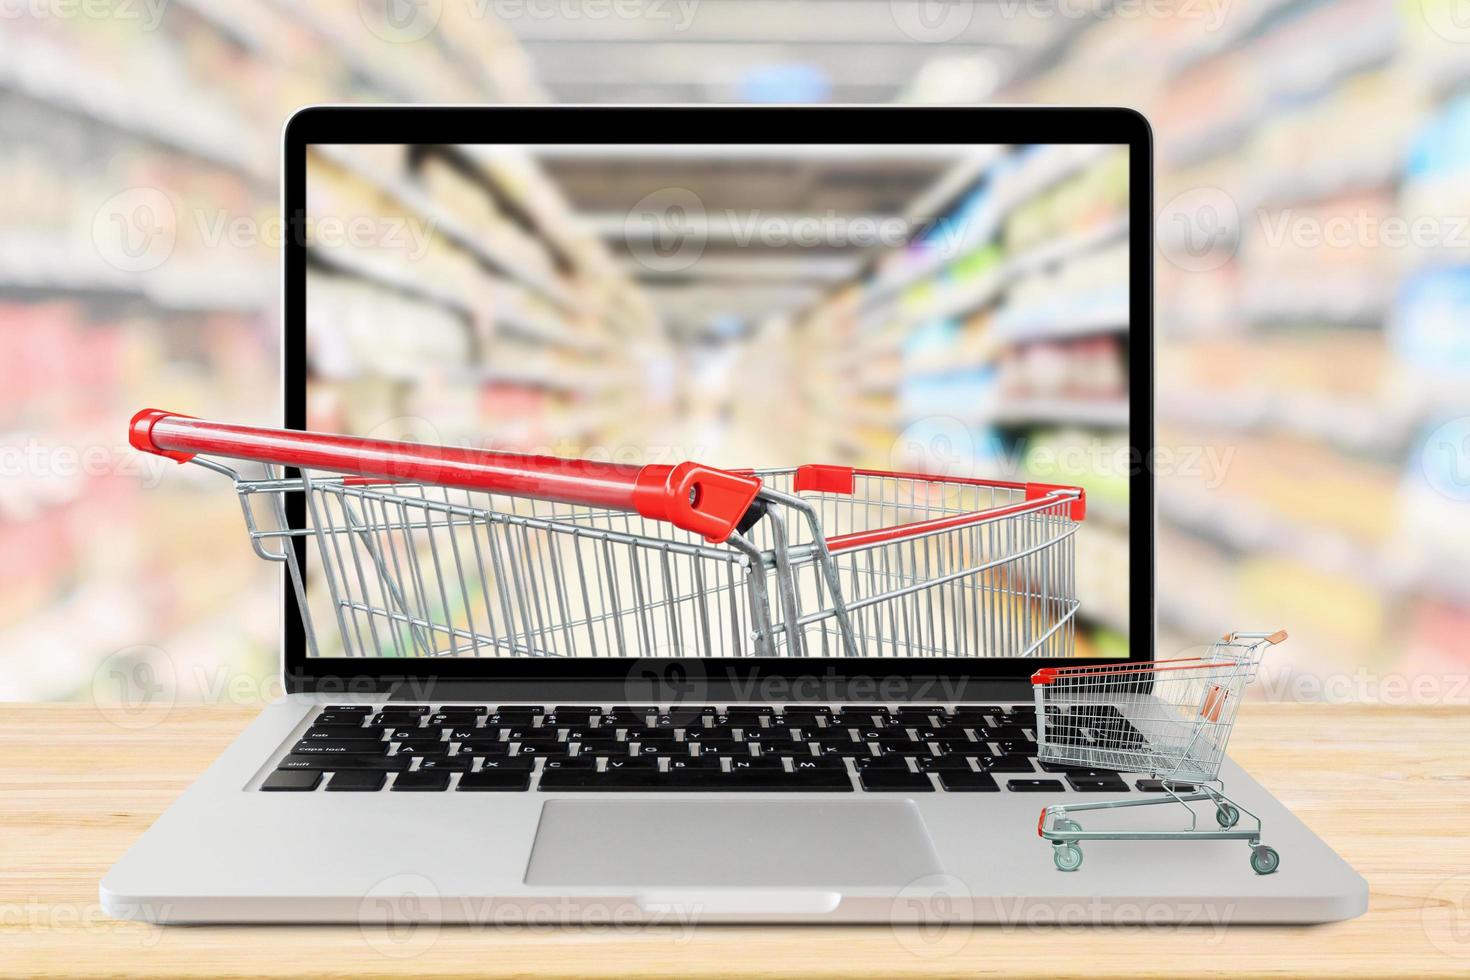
(1170, 719)
(430, 551)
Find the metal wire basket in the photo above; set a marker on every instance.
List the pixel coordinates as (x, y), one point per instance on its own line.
(432, 551)
(1169, 719)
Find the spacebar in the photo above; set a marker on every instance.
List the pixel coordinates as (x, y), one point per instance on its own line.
(588, 781)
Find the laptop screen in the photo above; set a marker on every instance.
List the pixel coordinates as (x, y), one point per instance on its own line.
(830, 400)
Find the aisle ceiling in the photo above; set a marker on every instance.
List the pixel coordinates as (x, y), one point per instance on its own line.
(756, 50)
(693, 51)
(740, 233)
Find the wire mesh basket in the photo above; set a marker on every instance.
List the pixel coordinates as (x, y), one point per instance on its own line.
(432, 551)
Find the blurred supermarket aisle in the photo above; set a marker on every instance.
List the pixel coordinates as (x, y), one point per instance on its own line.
(1313, 280)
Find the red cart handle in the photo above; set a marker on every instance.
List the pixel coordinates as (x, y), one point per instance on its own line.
(691, 496)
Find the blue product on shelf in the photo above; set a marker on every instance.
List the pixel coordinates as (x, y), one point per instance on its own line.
(1443, 145)
(1428, 328)
(930, 338)
(966, 393)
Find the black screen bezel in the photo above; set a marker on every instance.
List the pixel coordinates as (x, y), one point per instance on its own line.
(721, 125)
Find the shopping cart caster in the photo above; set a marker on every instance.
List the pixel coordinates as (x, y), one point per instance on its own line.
(1067, 825)
(1068, 857)
(1227, 816)
(1264, 859)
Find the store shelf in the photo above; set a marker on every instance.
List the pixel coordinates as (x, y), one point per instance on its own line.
(32, 267)
(1058, 411)
(1056, 167)
(46, 72)
(1353, 426)
(527, 326)
(390, 274)
(965, 298)
(440, 220)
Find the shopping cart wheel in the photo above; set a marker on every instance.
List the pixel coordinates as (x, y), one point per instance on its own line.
(1063, 823)
(1069, 857)
(1227, 816)
(1264, 860)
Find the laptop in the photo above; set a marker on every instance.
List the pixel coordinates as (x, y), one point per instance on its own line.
(522, 687)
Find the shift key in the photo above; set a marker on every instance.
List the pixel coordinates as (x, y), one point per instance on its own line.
(387, 763)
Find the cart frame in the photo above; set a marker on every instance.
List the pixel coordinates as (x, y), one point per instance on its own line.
(1171, 719)
(440, 551)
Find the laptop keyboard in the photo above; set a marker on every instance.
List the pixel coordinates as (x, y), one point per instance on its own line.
(735, 748)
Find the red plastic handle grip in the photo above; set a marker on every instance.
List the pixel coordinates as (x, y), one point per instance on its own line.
(1050, 675)
(691, 496)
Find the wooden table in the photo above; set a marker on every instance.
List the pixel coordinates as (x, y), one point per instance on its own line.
(1387, 787)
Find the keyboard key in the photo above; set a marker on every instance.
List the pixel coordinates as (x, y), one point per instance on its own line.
(649, 735)
(283, 781)
(482, 746)
(698, 780)
(1034, 785)
(496, 781)
(955, 781)
(506, 765)
(891, 781)
(895, 763)
(856, 750)
(1097, 784)
(810, 763)
(338, 718)
(1007, 764)
(1157, 786)
(456, 763)
(356, 781)
(1021, 748)
(344, 709)
(631, 765)
(421, 782)
(804, 717)
(443, 719)
(307, 746)
(915, 717)
(338, 733)
(943, 763)
(404, 710)
(423, 748)
(974, 714)
(384, 763)
(531, 749)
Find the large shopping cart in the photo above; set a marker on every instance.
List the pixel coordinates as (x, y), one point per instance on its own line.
(1170, 719)
(429, 551)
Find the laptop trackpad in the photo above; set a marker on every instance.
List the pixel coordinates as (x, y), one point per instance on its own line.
(730, 843)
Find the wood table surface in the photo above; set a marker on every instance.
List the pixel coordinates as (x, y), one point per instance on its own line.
(1388, 788)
